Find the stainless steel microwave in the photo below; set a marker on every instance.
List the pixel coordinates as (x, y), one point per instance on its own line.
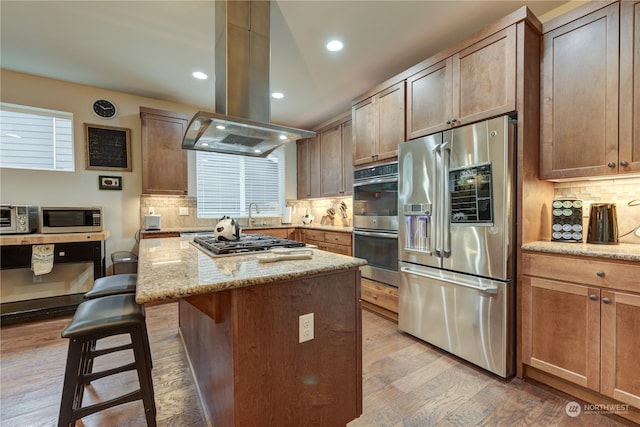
(68, 219)
(18, 219)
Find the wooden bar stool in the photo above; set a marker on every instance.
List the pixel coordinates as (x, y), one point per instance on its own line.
(94, 320)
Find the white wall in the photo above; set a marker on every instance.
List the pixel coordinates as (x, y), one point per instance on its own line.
(121, 208)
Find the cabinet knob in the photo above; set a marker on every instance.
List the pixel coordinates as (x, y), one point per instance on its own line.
(624, 163)
(593, 297)
(606, 300)
(600, 273)
(454, 120)
(448, 122)
(611, 164)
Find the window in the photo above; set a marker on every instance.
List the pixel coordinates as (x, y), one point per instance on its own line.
(34, 138)
(227, 183)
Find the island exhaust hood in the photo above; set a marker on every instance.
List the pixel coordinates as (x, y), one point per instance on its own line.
(241, 123)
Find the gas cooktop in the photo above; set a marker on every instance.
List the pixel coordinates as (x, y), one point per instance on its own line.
(247, 243)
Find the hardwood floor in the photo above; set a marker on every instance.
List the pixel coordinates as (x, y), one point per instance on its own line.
(406, 383)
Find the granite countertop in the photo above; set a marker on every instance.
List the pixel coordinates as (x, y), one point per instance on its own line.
(622, 252)
(39, 238)
(173, 267)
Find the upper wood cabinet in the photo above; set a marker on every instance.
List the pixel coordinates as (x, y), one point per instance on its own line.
(476, 83)
(379, 125)
(335, 160)
(629, 144)
(589, 73)
(164, 162)
(308, 168)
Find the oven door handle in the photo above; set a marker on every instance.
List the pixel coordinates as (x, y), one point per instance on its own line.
(376, 181)
(374, 234)
(488, 290)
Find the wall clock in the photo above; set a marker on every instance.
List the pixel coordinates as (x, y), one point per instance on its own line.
(104, 108)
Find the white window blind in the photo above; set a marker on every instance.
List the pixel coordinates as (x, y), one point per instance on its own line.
(35, 138)
(228, 183)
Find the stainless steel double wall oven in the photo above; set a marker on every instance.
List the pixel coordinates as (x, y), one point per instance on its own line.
(375, 221)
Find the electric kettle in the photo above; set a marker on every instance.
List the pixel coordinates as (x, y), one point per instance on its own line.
(603, 224)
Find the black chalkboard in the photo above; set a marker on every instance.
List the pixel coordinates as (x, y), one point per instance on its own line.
(108, 148)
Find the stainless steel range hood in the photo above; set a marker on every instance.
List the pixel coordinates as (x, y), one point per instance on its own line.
(240, 124)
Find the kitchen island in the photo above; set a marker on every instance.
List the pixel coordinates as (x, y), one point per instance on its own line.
(239, 320)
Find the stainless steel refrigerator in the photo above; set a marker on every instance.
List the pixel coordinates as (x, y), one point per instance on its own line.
(456, 239)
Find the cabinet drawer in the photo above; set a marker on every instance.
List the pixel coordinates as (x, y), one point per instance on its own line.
(313, 235)
(337, 238)
(337, 249)
(380, 295)
(584, 271)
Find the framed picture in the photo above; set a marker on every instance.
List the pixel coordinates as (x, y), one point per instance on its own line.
(110, 182)
(107, 148)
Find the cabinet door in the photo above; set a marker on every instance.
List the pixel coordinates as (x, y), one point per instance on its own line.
(303, 169)
(331, 161)
(580, 97)
(365, 131)
(484, 78)
(629, 144)
(315, 172)
(391, 121)
(164, 162)
(561, 330)
(347, 158)
(429, 99)
(621, 347)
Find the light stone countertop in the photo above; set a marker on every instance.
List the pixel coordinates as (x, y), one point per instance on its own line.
(338, 228)
(622, 252)
(174, 268)
(39, 238)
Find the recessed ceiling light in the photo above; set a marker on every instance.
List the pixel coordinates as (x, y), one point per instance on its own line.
(220, 127)
(277, 95)
(283, 137)
(334, 45)
(257, 150)
(199, 75)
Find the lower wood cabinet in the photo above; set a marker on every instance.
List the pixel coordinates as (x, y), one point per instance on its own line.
(379, 298)
(281, 233)
(578, 327)
(159, 234)
(338, 242)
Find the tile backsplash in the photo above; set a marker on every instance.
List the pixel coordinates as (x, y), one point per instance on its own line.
(624, 192)
(168, 207)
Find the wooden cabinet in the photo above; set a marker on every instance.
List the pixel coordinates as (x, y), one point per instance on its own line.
(164, 162)
(629, 143)
(324, 162)
(589, 67)
(338, 242)
(581, 322)
(159, 234)
(476, 83)
(281, 233)
(335, 160)
(379, 298)
(308, 168)
(379, 125)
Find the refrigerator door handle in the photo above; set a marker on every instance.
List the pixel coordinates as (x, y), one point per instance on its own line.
(437, 222)
(488, 290)
(445, 202)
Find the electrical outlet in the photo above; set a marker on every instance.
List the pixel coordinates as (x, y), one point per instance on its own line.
(152, 210)
(305, 327)
(184, 211)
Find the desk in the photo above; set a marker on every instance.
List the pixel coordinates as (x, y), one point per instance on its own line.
(48, 295)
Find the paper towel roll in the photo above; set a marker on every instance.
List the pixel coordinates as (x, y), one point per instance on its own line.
(41, 259)
(288, 211)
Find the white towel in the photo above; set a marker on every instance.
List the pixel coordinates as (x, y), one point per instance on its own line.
(41, 259)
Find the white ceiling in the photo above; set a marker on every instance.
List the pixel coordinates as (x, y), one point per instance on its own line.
(149, 48)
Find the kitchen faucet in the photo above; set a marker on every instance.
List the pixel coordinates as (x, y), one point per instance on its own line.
(252, 220)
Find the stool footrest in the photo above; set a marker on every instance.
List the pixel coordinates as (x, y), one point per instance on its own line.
(103, 351)
(101, 374)
(125, 398)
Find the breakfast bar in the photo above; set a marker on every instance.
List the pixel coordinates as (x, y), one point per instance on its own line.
(240, 324)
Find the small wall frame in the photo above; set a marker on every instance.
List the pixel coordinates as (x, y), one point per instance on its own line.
(110, 182)
(107, 148)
